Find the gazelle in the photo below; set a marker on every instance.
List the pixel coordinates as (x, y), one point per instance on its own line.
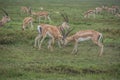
(89, 13)
(25, 9)
(111, 10)
(5, 18)
(26, 22)
(117, 9)
(48, 30)
(40, 14)
(98, 10)
(83, 35)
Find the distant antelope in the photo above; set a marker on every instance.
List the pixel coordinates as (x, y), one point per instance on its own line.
(40, 14)
(83, 35)
(26, 22)
(104, 7)
(25, 10)
(48, 30)
(98, 10)
(89, 13)
(5, 18)
(117, 9)
(111, 10)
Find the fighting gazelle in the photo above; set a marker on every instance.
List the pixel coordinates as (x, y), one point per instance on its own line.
(52, 32)
(27, 21)
(83, 35)
(5, 18)
(89, 13)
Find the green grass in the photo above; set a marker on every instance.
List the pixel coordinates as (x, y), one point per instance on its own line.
(20, 61)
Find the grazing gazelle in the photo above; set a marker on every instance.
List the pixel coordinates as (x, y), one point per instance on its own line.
(117, 9)
(40, 14)
(98, 10)
(83, 35)
(27, 21)
(48, 30)
(89, 13)
(25, 9)
(5, 18)
(111, 10)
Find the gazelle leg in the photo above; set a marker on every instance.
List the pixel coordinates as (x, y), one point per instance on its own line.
(38, 37)
(100, 45)
(41, 42)
(45, 18)
(50, 45)
(49, 18)
(59, 44)
(75, 48)
(31, 26)
(101, 48)
(23, 27)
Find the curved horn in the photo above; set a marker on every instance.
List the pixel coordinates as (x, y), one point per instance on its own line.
(5, 12)
(65, 17)
(66, 34)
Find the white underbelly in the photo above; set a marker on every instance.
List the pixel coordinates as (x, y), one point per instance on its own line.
(84, 39)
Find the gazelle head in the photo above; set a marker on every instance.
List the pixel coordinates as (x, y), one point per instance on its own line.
(5, 18)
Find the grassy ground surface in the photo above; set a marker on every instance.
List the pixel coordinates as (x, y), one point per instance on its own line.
(20, 61)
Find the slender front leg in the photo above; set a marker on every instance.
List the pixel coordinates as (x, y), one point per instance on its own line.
(50, 45)
(38, 37)
(101, 48)
(23, 27)
(59, 44)
(31, 26)
(41, 42)
(100, 45)
(49, 18)
(75, 48)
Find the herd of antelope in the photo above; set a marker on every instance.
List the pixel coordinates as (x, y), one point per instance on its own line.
(114, 10)
(60, 33)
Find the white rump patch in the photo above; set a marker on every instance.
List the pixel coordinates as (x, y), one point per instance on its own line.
(84, 39)
(38, 28)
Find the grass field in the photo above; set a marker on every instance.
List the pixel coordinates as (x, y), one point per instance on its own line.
(20, 61)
